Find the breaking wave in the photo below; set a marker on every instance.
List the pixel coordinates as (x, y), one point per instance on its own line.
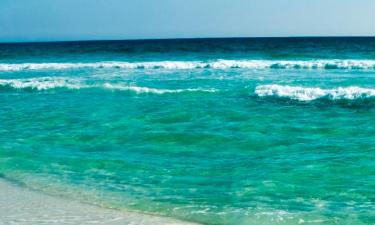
(138, 89)
(45, 83)
(311, 93)
(217, 64)
(42, 83)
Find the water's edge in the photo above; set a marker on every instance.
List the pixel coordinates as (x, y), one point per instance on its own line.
(27, 206)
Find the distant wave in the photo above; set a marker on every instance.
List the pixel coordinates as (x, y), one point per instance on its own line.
(42, 83)
(310, 93)
(45, 83)
(138, 89)
(98, 65)
(218, 64)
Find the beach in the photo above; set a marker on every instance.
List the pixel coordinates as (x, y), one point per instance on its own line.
(20, 205)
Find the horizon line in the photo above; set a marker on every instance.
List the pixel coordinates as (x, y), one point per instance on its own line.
(184, 38)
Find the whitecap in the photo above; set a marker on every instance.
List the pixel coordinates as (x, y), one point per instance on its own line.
(139, 89)
(45, 83)
(214, 64)
(42, 83)
(313, 93)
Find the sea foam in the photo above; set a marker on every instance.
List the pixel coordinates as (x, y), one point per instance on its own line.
(42, 83)
(313, 93)
(139, 90)
(45, 83)
(215, 64)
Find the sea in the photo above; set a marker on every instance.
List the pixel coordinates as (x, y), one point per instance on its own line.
(214, 131)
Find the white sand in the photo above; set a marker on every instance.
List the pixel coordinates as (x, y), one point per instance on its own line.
(23, 206)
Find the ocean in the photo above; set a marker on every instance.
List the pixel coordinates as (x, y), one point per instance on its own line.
(214, 131)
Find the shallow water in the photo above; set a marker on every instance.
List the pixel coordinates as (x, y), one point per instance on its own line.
(23, 206)
(216, 131)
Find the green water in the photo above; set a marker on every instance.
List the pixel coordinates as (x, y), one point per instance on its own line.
(210, 144)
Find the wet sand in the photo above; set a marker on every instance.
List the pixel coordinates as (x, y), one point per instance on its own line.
(20, 205)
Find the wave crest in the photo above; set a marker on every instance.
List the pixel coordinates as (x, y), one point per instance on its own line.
(45, 83)
(310, 94)
(139, 90)
(42, 83)
(218, 64)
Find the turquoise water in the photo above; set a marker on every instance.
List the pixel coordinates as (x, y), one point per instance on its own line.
(216, 131)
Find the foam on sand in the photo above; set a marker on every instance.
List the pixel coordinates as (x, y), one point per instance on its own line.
(23, 206)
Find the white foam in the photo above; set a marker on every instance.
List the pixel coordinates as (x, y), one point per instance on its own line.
(140, 90)
(313, 93)
(215, 64)
(42, 83)
(45, 83)
(98, 65)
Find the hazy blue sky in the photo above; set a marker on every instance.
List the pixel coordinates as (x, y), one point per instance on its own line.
(39, 20)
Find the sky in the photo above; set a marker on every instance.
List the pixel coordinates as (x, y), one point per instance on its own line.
(55, 20)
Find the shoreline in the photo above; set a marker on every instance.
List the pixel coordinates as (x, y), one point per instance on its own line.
(23, 206)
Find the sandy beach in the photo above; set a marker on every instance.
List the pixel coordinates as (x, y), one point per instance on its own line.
(23, 206)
